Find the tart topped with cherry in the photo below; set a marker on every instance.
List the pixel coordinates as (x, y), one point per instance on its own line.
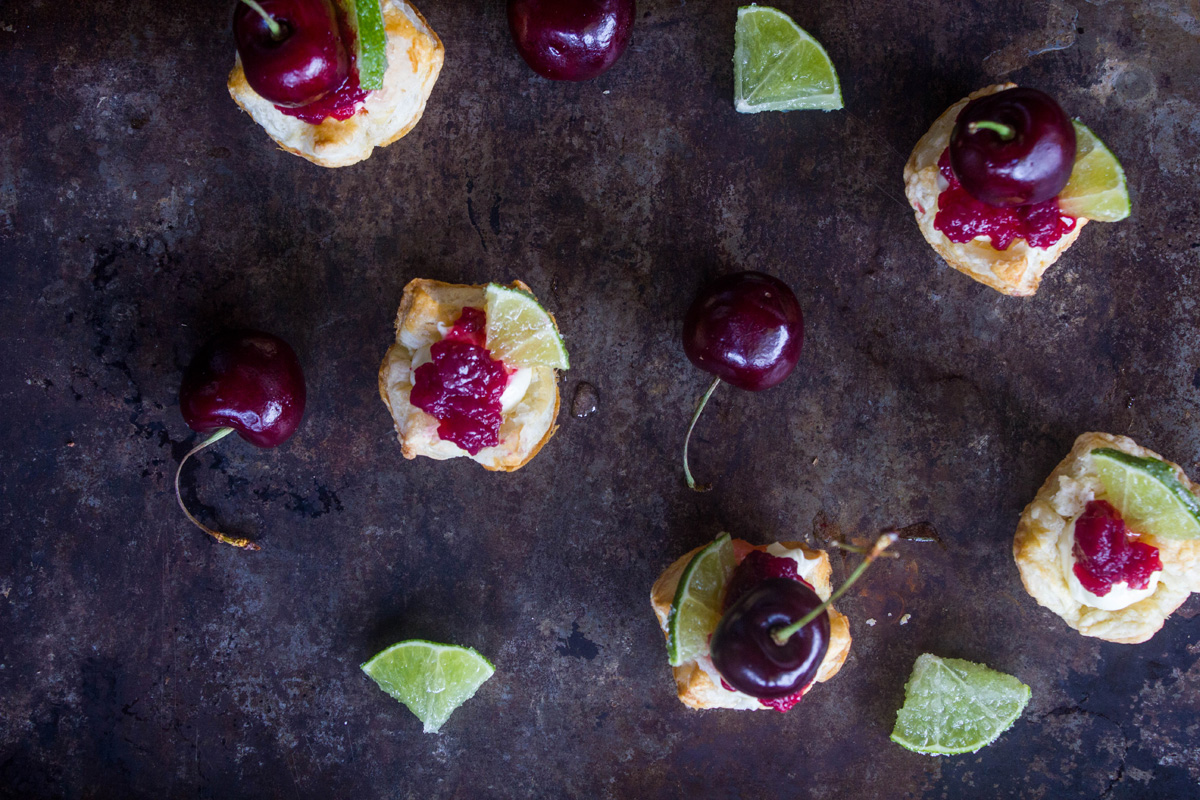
(1004, 182)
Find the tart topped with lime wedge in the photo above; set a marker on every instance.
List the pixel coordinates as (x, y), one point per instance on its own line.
(1111, 542)
(473, 373)
(1004, 181)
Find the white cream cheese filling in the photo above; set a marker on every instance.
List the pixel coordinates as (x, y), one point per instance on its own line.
(1119, 596)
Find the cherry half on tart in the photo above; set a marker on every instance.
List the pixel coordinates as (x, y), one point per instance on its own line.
(746, 329)
(245, 382)
(292, 51)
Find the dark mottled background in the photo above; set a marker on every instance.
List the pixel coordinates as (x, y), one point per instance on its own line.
(140, 212)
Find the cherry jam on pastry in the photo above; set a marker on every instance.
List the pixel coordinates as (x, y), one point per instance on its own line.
(961, 217)
(462, 384)
(1106, 552)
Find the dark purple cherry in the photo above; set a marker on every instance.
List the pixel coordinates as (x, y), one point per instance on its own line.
(291, 50)
(571, 40)
(1013, 148)
(745, 328)
(745, 652)
(246, 382)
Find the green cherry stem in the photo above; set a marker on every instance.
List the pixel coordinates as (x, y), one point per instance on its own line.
(1005, 132)
(882, 543)
(276, 28)
(245, 544)
(687, 473)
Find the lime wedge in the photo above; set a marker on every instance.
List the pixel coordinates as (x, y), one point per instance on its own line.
(1096, 189)
(777, 66)
(431, 679)
(953, 706)
(520, 331)
(370, 39)
(1148, 494)
(696, 609)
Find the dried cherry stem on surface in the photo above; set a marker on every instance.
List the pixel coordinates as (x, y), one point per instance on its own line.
(691, 482)
(245, 544)
(275, 28)
(882, 543)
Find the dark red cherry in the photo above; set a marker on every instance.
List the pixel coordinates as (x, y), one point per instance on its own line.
(299, 61)
(246, 380)
(749, 658)
(1013, 148)
(571, 40)
(745, 328)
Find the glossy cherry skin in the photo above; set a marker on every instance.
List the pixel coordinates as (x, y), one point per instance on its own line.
(749, 659)
(1031, 167)
(745, 328)
(308, 62)
(571, 40)
(246, 380)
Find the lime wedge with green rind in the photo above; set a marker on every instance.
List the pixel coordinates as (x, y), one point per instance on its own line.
(696, 609)
(432, 679)
(1096, 189)
(520, 332)
(778, 66)
(1148, 493)
(370, 39)
(953, 706)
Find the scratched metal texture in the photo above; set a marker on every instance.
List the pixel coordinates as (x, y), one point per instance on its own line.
(140, 212)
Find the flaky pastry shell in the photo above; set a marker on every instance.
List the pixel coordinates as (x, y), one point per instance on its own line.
(1062, 498)
(695, 688)
(1016, 271)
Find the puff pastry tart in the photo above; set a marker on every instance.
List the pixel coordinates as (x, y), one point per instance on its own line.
(451, 386)
(344, 126)
(698, 681)
(1013, 256)
(1107, 542)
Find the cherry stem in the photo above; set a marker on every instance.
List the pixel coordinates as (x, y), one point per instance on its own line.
(691, 482)
(245, 544)
(276, 28)
(882, 543)
(1005, 132)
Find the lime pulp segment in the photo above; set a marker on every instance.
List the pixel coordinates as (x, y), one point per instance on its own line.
(520, 331)
(778, 66)
(953, 706)
(370, 39)
(1096, 189)
(432, 679)
(1148, 494)
(696, 609)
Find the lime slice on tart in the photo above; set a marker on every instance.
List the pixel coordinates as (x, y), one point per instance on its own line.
(1096, 189)
(1148, 494)
(520, 331)
(696, 609)
(953, 706)
(777, 66)
(431, 679)
(370, 41)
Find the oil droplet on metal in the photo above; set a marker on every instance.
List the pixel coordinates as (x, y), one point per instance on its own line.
(585, 401)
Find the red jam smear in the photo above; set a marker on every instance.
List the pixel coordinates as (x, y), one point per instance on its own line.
(961, 217)
(755, 568)
(342, 102)
(1106, 552)
(462, 384)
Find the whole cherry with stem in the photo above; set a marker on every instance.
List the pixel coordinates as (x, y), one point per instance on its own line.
(1012, 148)
(772, 640)
(747, 329)
(245, 382)
(292, 50)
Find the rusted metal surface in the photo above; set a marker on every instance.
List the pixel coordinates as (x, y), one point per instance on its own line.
(141, 212)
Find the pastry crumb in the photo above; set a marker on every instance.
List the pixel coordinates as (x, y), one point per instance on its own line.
(871, 622)
(904, 620)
